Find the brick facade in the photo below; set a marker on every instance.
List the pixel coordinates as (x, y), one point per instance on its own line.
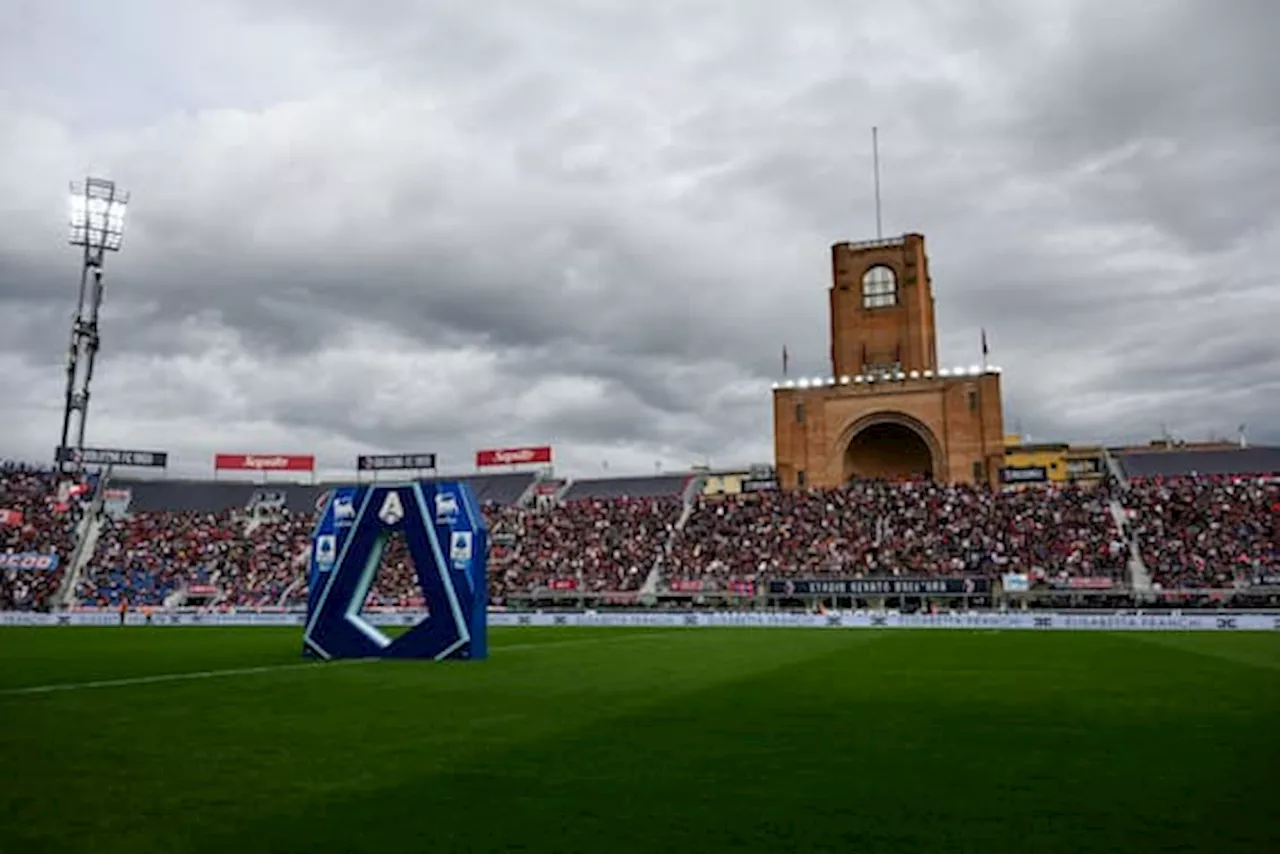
(887, 410)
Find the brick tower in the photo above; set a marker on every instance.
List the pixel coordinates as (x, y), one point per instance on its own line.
(888, 409)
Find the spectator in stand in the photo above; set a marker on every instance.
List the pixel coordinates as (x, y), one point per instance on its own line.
(1206, 532)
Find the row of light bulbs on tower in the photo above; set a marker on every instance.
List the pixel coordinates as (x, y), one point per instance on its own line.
(889, 376)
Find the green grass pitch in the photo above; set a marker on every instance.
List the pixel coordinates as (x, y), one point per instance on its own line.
(619, 740)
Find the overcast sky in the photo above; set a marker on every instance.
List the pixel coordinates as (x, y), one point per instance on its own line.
(395, 225)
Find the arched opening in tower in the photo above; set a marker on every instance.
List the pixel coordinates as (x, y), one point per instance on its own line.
(888, 450)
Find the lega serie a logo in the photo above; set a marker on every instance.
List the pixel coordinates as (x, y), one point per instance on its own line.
(326, 550)
(392, 509)
(460, 546)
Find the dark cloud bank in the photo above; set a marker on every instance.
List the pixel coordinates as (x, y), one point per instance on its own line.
(426, 228)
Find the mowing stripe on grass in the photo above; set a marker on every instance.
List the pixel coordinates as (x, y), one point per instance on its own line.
(1180, 641)
(275, 668)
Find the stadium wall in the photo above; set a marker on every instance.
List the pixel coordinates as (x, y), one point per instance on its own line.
(1028, 620)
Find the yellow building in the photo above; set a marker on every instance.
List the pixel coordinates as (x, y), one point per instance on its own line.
(1049, 462)
(1026, 465)
(755, 478)
(721, 484)
(1085, 462)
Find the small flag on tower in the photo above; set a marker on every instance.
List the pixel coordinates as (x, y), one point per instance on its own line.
(784, 360)
(984, 343)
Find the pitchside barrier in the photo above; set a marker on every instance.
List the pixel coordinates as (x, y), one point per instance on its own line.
(1029, 620)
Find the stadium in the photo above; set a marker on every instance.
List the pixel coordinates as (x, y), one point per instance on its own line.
(912, 629)
(894, 487)
(707, 659)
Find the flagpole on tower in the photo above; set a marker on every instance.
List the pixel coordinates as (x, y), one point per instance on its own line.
(875, 161)
(984, 350)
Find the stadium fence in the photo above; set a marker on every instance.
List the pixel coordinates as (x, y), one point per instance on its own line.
(1022, 620)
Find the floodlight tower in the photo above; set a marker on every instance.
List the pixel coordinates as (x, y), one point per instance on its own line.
(97, 224)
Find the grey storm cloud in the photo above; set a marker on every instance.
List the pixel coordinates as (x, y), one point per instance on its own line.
(411, 226)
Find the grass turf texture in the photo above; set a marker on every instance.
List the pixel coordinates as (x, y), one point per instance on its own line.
(616, 740)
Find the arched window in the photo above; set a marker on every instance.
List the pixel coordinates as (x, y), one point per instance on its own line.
(879, 287)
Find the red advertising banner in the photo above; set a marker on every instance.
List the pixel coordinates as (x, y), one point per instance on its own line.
(689, 585)
(562, 584)
(1089, 583)
(264, 462)
(513, 456)
(12, 518)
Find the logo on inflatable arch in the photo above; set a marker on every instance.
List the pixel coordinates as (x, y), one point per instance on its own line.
(343, 510)
(448, 552)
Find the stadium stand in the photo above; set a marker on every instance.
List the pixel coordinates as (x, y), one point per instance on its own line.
(910, 529)
(652, 486)
(1206, 532)
(588, 545)
(149, 557)
(42, 511)
(185, 496)
(204, 496)
(506, 488)
(242, 545)
(238, 544)
(1260, 460)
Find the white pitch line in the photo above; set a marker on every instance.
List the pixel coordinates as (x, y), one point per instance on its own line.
(274, 668)
(164, 677)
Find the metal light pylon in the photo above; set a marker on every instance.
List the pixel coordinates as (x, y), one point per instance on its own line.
(97, 225)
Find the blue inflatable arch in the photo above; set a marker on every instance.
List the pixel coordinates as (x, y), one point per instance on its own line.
(448, 544)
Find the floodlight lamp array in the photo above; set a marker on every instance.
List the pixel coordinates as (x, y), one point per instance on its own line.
(96, 214)
(886, 377)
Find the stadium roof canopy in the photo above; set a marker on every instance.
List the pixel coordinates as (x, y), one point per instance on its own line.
(1259, 460)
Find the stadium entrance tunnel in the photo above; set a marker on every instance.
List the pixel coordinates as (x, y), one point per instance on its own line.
(891, 446)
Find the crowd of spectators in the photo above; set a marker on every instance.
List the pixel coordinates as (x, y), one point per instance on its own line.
(228, 558)
(39, 512)
(396, 584)
(1196, 533)
(879, 528)
(591, 545)
(1206, 532)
